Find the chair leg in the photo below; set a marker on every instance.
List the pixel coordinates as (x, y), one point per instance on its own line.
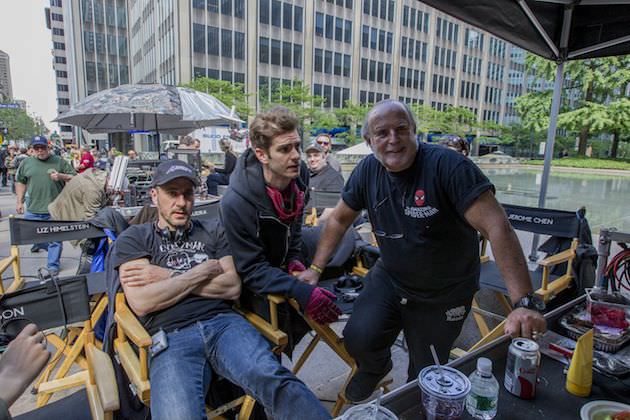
(481, 323)
(307, 352)
(77, 348)
(246, 408)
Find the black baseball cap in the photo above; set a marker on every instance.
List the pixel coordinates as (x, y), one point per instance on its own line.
(172, 169)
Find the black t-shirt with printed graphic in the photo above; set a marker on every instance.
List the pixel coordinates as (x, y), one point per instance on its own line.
(417, 216)
(144, 241)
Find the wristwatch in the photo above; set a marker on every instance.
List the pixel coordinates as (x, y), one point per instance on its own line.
(531, 301)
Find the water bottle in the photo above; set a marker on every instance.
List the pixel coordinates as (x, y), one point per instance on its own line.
(481, 402)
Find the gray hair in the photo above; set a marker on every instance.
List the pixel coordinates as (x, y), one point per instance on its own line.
(365, 129)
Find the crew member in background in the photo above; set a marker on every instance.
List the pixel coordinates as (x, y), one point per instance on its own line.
(86, 160)
(322, 176)
(221, 176)
(325, 141)
(43, 176)
(83, 196)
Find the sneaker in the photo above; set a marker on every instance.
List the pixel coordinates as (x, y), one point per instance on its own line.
(363, 384)
(54, 272)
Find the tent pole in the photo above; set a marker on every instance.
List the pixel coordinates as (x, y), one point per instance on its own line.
(551, 137)
(157, 133)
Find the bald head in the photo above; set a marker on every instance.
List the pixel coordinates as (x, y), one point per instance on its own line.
(385, 106)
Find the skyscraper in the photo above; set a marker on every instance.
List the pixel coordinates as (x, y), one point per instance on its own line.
(90, 49)
(6, 90)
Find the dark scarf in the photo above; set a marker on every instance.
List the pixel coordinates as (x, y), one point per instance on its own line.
(289, 203)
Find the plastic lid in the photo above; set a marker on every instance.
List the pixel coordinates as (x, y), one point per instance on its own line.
(484, 366)
(369, 411)
(444, 382)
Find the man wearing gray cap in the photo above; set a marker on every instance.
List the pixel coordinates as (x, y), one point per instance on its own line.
(178, 276)
(323, 177)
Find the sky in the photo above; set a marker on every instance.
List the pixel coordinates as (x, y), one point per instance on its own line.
(24, 36)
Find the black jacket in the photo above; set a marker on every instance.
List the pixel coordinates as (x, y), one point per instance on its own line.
(326, 180)
(262, 244)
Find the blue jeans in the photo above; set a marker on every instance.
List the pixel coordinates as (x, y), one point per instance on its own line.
(214, 180)
(54, 248)
(228, 346)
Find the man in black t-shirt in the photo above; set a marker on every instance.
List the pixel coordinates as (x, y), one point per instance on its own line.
(426, 204)
(179, 278)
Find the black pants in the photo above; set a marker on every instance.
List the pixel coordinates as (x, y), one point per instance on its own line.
(380, 314)
(3, 174)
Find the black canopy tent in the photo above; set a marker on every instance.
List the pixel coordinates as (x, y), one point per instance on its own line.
(559, 30)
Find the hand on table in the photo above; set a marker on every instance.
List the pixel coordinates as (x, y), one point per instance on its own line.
(526, 323)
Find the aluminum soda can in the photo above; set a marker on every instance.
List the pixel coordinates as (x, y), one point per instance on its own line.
(521, 370)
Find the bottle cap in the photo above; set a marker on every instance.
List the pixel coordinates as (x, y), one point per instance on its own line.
(484, 366)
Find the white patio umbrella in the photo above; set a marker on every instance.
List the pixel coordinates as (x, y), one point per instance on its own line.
(148, 107)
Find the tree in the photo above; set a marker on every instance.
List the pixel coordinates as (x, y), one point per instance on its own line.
(19, 125)
(428, 119)
(351, 116)
(231, 94)
(597, 80)
(459, 120)
(533, 109)
(298, 99)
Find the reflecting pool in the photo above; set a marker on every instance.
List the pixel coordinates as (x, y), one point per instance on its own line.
(606, 197)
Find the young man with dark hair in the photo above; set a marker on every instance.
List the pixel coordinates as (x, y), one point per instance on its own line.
(263, 211)
(179, 278)
(423, 202)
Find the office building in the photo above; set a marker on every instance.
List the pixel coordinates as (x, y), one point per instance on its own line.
(6, 90)
(90, 53)
(357, 50)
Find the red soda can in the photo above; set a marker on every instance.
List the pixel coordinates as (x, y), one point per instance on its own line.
(521, 370)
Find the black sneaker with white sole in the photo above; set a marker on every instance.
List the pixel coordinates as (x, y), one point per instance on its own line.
(363, 384)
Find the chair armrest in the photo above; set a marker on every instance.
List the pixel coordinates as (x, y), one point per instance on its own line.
(6, 263)
(277, 299)
(102, 369)
(132, 327)
(558, 258)
(276, 336)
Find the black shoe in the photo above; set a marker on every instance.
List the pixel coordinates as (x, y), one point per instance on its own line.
(35, 248)
(53, 272)
(363, 384)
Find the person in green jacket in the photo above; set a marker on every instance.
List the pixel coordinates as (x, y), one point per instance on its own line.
(43, 176)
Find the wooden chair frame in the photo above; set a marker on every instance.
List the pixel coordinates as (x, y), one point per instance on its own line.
(135, 363)
(327, 335)
(97, 375)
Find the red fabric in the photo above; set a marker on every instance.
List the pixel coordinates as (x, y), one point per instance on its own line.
(87, 162)
(321, 306)
(289, 203)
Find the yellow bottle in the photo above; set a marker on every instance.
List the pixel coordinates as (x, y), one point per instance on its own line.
(580, 375)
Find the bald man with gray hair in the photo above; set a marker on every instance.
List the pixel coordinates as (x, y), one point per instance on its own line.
(424, 202)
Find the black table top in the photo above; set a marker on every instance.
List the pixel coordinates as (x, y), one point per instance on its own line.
(552, 401)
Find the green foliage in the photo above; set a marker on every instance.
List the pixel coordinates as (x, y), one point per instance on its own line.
(589, 163)
(20, 125)
(351, 116)
(600, 106)
(454, 120)
(297, 98)
(533, 108)
(231, 94)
